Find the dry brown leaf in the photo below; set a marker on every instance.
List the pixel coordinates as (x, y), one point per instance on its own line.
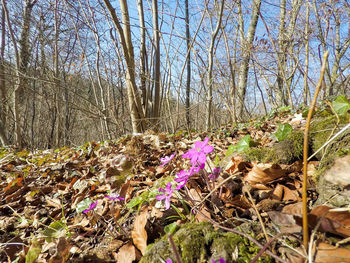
(290, 195)
(334, 222)
(195, 195)
(203, 215)
(285, 222)
(126, 254)
(139, 234)
(278, 192)
(330, 254)
(264, 173)
(239, 201)
(62, 251)
(293, 209)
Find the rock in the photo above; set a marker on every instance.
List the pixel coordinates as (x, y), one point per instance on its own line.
(333, 185)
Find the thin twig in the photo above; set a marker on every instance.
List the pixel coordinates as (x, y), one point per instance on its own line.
(267, 245)
(305, 153)
(173, 246)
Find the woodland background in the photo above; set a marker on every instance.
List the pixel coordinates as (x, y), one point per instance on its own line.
(73, 71)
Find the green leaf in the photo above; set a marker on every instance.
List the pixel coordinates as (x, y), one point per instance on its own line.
(54, 230)
(284, 109)
(282, 132)
(33, 252)
(82, 205)
(135, 201)
(244, 144)
(230, 150)
(169, 229)
(216, 161)
(341, 105)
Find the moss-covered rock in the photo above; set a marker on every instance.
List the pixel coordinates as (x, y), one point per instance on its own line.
(321, 130)
(287, 151)
(199, 242)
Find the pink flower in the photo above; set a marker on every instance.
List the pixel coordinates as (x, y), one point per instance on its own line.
(183, 176)
(198, 154)
(221, 260)
(92, 206)
(115, 197)
(167, 195)
(215, 174)
(167, 159)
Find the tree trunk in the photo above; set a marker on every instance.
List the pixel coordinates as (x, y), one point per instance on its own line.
(143, 58)
(3, 90)
(22, 61)
(211, 61)
(246, 43)
(156, 66)
(136, 114)
(306, 93)
(188, 77)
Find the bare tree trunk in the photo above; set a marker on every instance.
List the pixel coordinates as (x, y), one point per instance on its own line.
(136, 113)
(306, 94)
(22, 60)
(143, 58)
(281, 56)
(3, 91)
(219, 11)
(56, 80)
(231, 64)
(246, 43)
(156, 65)
(188, 77)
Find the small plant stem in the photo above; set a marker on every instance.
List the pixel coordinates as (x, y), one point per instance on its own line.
(267, 245)
(173, 246)
(305, 154)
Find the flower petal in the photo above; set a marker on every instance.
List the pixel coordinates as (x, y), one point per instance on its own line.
(160, 197)
(208, 149)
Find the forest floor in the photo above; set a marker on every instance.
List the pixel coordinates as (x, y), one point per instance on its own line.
(98, 202)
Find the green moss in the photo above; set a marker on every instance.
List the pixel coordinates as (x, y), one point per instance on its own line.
(321, 130)
(199, 243)
(258, 154)
(287, 151)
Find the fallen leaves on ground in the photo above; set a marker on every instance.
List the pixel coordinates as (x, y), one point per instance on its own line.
(43, 195)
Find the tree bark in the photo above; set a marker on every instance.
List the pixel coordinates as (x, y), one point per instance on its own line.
(143, 58)
(246, 43)
(188, 66)
(3, 90)
(211, 61)
(136, 114)
(22, 61)
(156, 66)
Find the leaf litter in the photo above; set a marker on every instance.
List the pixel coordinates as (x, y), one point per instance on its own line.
(97, 202)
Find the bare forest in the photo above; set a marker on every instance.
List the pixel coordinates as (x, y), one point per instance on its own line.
(73, 71)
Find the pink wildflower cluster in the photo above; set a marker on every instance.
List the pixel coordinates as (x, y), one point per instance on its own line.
(198, 158)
